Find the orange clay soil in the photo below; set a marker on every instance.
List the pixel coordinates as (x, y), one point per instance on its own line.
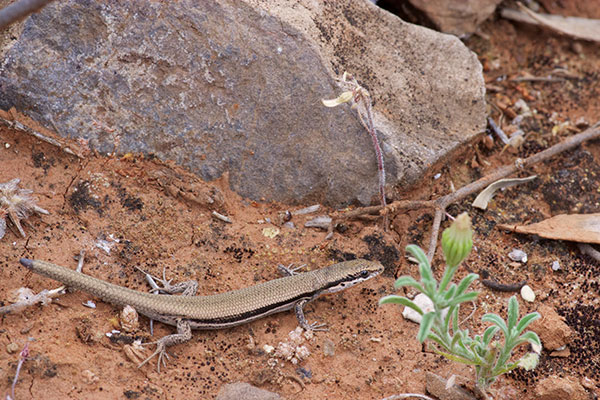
(131, 211)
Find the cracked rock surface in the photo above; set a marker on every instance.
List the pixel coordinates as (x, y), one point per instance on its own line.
(236, 87)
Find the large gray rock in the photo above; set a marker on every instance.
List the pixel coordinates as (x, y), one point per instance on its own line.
(228, 86)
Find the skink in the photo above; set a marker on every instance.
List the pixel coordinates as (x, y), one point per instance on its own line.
(217, 311)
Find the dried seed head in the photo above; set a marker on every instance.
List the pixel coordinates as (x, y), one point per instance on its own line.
(17, 204)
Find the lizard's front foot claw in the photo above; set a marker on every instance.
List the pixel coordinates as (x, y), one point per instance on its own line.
(290, 270)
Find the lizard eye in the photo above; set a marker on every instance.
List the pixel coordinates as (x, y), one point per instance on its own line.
(364, 273)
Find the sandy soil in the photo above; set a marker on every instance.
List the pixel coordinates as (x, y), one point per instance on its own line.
(134, 211)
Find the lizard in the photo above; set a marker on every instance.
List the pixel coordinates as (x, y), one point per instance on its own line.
(218, 311)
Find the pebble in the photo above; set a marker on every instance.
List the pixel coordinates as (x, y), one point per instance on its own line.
(129, 319)
(527, 294)
(556, 266)
(243, 390)
(518, 255)
(12, 348)
(426, 306)
(328, 348)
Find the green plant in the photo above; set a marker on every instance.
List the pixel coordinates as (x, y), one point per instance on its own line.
(490, 357)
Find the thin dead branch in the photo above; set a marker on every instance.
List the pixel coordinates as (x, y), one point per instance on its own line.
(10, 119)
(440, 204)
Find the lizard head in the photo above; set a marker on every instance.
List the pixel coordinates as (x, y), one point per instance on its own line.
(349, 273)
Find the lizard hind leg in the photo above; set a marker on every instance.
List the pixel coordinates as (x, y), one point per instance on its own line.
(184, 333)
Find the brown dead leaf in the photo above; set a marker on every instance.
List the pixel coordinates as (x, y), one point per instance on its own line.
(583, 228)
(579, 28)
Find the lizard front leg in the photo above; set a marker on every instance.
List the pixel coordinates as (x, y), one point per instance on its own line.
(315, 326)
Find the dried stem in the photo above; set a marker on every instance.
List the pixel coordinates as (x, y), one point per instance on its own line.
(440, 204)
(361, 101)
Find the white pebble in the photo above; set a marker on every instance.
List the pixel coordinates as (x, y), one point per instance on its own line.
(89, 304)
(268, 349)
(555, 266)
(518, 255)
(426, 306)
(527, 294)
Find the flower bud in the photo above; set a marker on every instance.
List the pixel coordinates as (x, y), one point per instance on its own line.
(457, 240)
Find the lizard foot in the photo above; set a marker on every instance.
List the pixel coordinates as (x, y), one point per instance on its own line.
(161, 351)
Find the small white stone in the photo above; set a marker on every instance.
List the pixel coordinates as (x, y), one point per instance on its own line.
(268, 349)
(7, 145)
(518, 255)
(527, 294)
(89, 304)
(425, 304)
(555, 266)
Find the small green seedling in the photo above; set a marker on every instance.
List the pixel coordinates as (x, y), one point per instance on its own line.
(489, 356)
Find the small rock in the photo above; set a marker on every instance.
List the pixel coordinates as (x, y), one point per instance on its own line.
(556, 388)
(551, 328)
(426, 306)
(582, 123)
(89, 377)
(322, 221)
(458, 17)
(556, 266)
(527, 294)
(268, 348)
(437, 386)
(129, 319)
(518, 255)
(328, 348)
(587, 383)
(12, 348)
(242, 390)
(562, 352)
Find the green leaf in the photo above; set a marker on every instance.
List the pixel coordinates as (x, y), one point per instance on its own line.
(433, 336)
(450, 292)
(408, 281)
(513, 312)
(528, 336)
(452, 357)
(426, 324)
(417, 253)
(457, 336)
(464, 298)
(496, 320)
(452, 313)
(526, 320)
(427, 279)
(393, 299)
(489, 334)
(465, 283)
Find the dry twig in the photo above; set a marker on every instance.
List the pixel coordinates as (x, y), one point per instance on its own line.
(440, 204)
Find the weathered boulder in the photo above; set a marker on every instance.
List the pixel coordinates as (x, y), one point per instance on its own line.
(234, 86)
(458, 17)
